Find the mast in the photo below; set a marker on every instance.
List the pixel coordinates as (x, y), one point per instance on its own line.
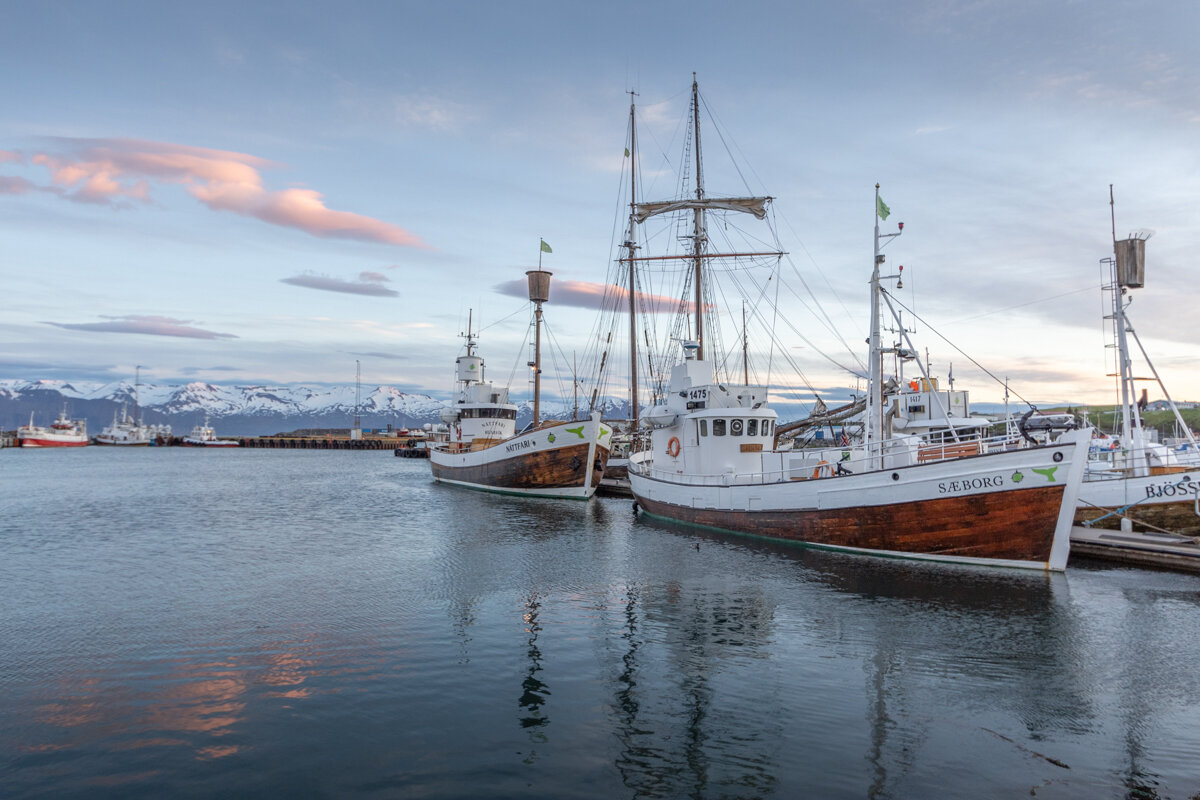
(874, 358)
(1130, 424)
(539, 292)
(698, 223)
(137, 381)
(630, 247)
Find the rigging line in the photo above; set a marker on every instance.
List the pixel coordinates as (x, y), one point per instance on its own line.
(889, 297)
(1021, 305)
(757, 315)
(719, 128)
(504, 319)
(523, 350)
(816, 266)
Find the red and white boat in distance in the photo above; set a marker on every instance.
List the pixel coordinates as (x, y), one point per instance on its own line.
(63, 432)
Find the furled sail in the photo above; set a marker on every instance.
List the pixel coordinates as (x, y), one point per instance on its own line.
(749, 205)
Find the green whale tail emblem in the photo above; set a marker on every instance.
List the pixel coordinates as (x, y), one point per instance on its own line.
(1048, 472)
(577, 431)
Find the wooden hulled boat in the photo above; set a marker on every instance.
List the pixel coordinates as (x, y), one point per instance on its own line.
(484, 451)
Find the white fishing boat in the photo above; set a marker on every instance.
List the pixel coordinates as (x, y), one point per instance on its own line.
(483, 449)
(712, 463)
(205, 436)
(63, 432)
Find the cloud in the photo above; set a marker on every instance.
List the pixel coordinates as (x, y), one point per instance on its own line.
(151, 326)
(9, 155)
(112, 171)
(10, 185)
(368, 283)
(582, 294)
(390, 356)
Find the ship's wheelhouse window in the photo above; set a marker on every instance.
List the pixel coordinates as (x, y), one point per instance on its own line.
(704, 427)
(489, 413)
(766, 427)
(735, 427)
(718, 427)
(752, 427)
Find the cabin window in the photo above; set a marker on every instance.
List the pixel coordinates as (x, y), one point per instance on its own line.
(735, 427)
(718, 427)
(766, 427)
(752, 427)
(704, 427)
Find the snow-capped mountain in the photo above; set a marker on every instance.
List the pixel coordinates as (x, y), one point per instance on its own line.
(239, 410)
(233, 410)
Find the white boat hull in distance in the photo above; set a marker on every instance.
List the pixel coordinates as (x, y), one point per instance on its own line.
(1010, 509)
(556, 460)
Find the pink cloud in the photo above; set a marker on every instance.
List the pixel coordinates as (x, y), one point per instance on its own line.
(364, 285)
(9, 155)
(582, 294)
(150, 325)
(112, 170)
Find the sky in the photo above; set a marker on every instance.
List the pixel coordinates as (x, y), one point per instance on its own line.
(246, 193)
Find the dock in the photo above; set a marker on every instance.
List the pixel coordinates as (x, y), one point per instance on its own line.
(287, 442)
(1139, 548)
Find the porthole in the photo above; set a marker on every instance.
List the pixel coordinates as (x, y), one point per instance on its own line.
(735, 427)
(1058, 456)
(895, 476)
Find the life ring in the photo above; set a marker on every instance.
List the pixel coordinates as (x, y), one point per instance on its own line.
(673, 447)
(822, 466)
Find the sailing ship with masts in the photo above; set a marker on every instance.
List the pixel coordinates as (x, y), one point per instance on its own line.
(484, 450)
(712, 459)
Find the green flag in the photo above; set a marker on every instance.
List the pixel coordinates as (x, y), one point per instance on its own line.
(546, 247)
(627, 152)
(882, 208)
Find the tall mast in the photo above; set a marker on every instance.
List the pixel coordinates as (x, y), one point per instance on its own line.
(631, 246)
(1125, 366)
(539, 292)
(137, 381)
(874, 358)
(698, 222)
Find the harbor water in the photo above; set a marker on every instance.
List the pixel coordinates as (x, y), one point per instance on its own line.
(186, 623)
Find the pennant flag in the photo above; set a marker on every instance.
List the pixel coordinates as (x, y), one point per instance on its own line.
(546, 247)
(882, 209)
(627, 152)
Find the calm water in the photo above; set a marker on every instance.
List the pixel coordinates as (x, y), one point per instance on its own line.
(313, 624)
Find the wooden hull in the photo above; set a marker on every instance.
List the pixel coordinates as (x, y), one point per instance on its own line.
(1007, 527)
(549, 462)
(1011, 509)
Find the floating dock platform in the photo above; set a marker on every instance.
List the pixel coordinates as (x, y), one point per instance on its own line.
(1141, 548)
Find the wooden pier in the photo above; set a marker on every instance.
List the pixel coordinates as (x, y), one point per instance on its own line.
(324, 442)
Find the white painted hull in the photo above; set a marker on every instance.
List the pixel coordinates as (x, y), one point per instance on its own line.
(999, 490)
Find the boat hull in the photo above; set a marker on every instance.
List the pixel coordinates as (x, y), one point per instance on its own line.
(548, 462)
(207, 443)
(43, 441)
(1166, 501)
(990, 509)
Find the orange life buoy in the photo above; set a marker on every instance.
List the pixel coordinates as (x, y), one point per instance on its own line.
(673, 447)
(822, 465)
